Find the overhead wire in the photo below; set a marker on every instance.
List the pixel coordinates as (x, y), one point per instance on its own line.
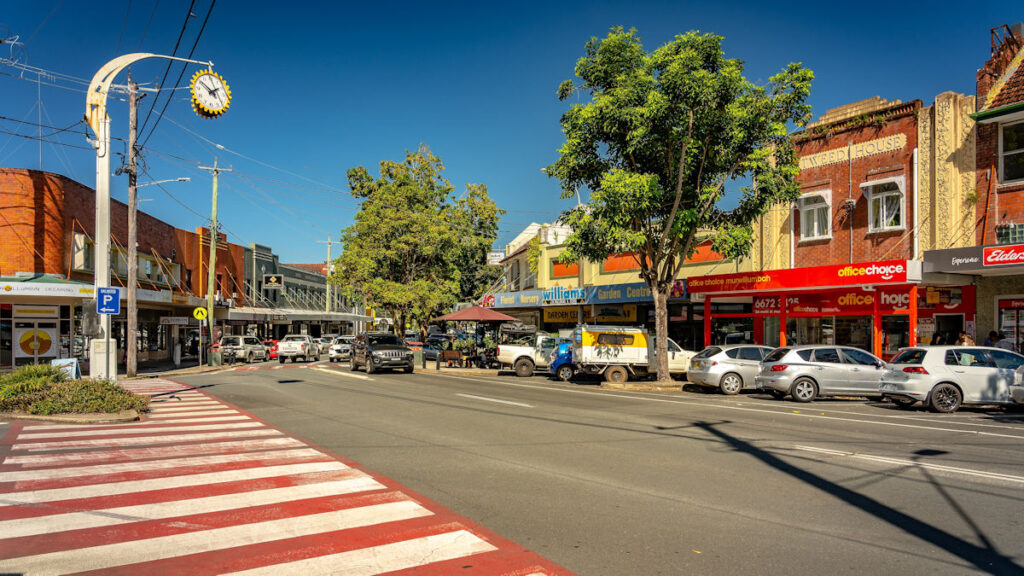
(180, 74)
(148, 22)
(167, 69)
(124, 24)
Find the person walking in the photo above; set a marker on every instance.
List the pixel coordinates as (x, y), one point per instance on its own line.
(1005, 342)
(965, 339)
(993, 337)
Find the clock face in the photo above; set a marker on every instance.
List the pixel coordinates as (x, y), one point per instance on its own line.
(210, 94)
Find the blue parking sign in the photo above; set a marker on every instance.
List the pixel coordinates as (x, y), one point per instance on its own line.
(108, 300)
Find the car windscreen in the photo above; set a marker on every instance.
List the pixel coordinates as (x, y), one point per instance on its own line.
(708, 352)
(294, 338)
(230, 341)
(383, 339)
(912, 356)
(776, 355)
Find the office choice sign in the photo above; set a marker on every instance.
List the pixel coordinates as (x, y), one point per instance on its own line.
(842, 275)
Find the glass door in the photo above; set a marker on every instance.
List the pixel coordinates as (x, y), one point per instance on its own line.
(35, 341)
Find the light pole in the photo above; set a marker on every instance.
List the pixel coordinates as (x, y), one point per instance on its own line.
(97, 118)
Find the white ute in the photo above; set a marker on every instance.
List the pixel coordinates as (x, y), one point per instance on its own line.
(297, 346)
(525, 359)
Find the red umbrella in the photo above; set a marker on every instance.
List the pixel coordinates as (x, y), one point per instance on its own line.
(477, 314)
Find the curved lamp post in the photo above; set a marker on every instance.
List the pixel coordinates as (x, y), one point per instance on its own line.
(102, 360)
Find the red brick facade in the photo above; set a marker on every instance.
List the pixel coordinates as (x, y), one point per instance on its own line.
(998, 203)
(193, 251)
(851, 240)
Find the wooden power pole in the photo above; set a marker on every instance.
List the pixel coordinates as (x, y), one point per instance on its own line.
(133, 257)
(211, 268)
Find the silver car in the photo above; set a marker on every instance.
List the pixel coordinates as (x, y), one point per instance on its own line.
(341, 348)
(946, 377)
(806, 372)
(245, 348)
(729, 368)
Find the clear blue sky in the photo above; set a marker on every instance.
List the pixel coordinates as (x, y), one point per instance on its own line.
(320, 87)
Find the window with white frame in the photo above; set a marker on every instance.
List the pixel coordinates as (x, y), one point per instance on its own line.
(815, 215)
(885, 205)
(1011, 152)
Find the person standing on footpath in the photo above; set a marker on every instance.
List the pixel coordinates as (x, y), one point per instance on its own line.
(965, 339)
(993, 337)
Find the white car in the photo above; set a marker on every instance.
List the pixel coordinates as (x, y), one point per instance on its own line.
(730, 368)
(946, 377)
(341, 349)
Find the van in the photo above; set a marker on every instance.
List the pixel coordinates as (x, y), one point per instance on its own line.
(623, 352)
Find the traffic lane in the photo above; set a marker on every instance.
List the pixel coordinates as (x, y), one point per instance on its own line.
(492, 467)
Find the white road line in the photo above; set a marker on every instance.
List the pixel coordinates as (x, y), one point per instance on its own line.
(181, 418)
(149, 465)
(130, 486)
(509, 402)
(127, 514)
(142, 440)
(180, 413)
(804, 412)
(205, 405)
(384, 558)
(110, 555)
(140, 429)
(162, 452)
(914, 464)
(340, 373)
(201, 419)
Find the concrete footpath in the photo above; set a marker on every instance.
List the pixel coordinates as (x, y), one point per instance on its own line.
(202, 487)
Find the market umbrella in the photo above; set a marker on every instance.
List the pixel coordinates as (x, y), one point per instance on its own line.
(476, 314)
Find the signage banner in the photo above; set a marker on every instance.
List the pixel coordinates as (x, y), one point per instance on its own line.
(273, 281)
(559, 295)
(35, 341)
(1010, 304)
(175, 321)
(1003, 255)
(604, 313)
(851, 302)
(860, 274)
(522, 299)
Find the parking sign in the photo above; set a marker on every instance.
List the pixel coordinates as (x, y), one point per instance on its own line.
(108, 300)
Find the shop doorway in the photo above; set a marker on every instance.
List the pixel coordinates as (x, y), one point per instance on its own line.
(35, 341)
(947, 328)
(1011, 322)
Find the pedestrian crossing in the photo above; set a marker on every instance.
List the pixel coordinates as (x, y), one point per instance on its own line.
(200, 487)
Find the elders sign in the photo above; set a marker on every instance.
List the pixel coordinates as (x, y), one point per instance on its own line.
(1003, 255)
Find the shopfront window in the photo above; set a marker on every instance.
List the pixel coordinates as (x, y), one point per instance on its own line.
(842, 330)
(815, 215)
(895, 333)
(732, 331)
(885, 206)
(854, 331)
(6, 339)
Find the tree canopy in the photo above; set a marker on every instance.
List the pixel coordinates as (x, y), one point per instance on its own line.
(416, 248)
(662, 136)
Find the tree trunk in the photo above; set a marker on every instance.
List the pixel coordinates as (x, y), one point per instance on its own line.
(661, 331)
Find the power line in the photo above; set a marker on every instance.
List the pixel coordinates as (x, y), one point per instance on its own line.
(167, 69)
(180, 74)
(173, 197)
(124, 24)
(45, 20)
(28, 137)
(148, 22)
(37, 125)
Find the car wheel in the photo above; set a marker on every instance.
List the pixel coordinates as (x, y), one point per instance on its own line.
(369, 366)
(616, 374)
(352, 364)
(248, 359)
(408, 369)
(804, 390)
(777, 394)
(945, 398)
(903, 403)
(731, 384)
(524, 368)
(281, 359)
(565, 372)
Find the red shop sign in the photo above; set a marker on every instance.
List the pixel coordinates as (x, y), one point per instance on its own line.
(1003, 255)
(865, 273)
(1014, 303)
(853, 302)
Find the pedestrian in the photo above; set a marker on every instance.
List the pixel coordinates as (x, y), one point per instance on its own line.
(993, 337)
(1005, 342)
(965, 339)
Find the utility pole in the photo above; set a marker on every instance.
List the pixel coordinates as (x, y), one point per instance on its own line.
(133, 257)
(330, 267)
(211, 269)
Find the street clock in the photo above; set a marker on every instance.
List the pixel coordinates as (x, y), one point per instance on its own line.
(210, 94)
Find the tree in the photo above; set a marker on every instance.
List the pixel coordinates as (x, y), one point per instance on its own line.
(662, 136)
(415, 249)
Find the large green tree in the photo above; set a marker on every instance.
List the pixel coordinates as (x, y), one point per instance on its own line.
(662, 137)
(415, 247)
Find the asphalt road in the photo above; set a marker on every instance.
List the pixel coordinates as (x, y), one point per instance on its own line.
(606, 482)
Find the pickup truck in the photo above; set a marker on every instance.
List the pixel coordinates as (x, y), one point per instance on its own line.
(524, 359)
(621, 352)
(297, 346)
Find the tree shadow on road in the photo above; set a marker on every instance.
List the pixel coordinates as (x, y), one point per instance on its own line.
(986, 558)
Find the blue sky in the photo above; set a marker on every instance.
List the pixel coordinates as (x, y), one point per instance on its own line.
(320, 87)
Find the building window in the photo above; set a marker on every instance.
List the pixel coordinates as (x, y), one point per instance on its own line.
(1011, 152)
(1010, 234)
(885, 205)
(815, 215)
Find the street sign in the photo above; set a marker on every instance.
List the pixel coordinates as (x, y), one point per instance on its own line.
(273, 281)
(199, 313)
(108, 301)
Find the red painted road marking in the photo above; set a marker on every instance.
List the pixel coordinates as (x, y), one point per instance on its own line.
(186, 491)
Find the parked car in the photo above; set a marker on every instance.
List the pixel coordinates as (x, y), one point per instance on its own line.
(324, 342)
(271, 346)
(297, 346)
(560, 365)
(532, 354)
(432, 349)
(807, 372)
(374, 351)
(245, 348)
(341, 349)
(946, 377)
(729, 368)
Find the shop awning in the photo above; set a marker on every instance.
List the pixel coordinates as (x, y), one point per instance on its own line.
(992, 260)
(254, 314)
(839, 276)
